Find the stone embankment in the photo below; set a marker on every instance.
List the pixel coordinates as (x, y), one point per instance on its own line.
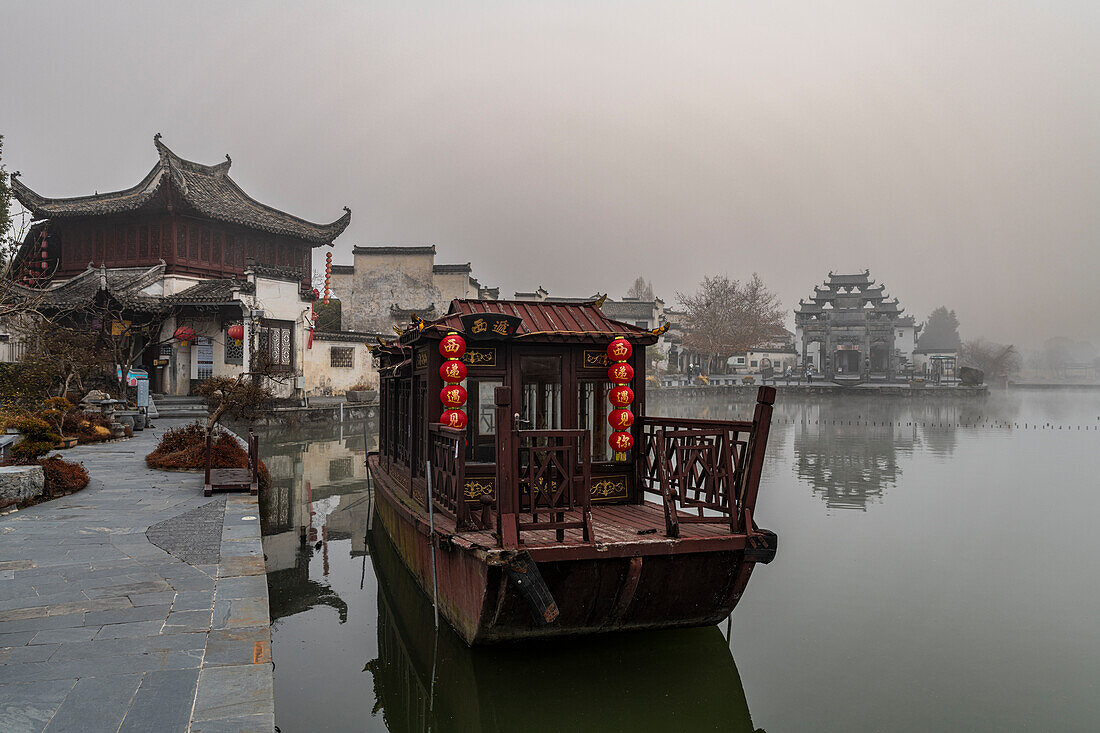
(134, 605)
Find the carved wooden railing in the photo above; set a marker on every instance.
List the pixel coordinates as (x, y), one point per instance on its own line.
(706, 471)
(555, 477)
(447, 449)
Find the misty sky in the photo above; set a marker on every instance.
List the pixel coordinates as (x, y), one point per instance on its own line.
(951, 147)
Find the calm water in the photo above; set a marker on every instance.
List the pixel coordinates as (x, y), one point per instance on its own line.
(936, 570)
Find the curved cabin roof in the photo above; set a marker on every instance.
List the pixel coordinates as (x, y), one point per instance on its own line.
(580, 321)
(207, 189)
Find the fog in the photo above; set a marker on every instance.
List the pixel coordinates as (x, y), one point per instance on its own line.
(950, 147)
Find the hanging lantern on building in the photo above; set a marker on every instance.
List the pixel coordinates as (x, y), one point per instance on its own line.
(453, 396)
(452, 346)
(620, 373)
(621, 442)
(185, 335)
(452, 371)
(328, 275)
(236, 333)
(620, 419)
(453, 419)
(619, 350)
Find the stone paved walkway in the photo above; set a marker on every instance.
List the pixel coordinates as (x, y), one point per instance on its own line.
(103, 630)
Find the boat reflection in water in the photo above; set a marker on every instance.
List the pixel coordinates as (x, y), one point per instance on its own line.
(676, 680)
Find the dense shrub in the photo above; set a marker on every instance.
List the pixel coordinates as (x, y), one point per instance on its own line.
(184, 448)
(86, 427)
(38, 440)
(63, 477)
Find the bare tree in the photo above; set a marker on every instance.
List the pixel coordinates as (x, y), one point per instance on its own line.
(725, 317)
(642, 289)
(992, 358)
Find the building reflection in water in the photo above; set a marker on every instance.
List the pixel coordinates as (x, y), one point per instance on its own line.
(851, 450)
(423, 680)
(318, 494)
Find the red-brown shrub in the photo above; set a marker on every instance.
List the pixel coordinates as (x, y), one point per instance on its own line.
(184, 448)
(63, 477)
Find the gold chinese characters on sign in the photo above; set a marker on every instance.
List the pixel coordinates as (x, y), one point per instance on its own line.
(421, 358)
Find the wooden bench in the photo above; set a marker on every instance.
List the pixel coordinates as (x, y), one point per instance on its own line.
(234, 479)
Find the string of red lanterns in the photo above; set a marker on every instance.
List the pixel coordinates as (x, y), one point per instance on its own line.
(621, 418)
(328, 275)
(453, 395)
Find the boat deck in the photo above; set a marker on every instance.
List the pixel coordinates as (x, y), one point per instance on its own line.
(618, 529)
(611, 523)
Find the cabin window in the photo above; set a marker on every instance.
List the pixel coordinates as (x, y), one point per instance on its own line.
(481, 432)
(541, 380)
(592, 410)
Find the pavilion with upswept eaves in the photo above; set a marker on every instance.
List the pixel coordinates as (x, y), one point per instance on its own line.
(849, 330)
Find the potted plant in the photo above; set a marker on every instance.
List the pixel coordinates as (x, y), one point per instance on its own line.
(360, 392)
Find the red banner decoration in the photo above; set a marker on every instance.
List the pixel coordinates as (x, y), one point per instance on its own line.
(453, 419)
(452, 371)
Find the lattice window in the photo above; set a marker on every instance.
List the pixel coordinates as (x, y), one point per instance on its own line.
(275, 347)
(341, 357)
(234, 350)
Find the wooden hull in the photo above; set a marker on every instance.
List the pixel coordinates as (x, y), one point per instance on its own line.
(428, 680)
(597, 588)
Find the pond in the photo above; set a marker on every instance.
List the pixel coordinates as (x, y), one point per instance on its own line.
(935, 571)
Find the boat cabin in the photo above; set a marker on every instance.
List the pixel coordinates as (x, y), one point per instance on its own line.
(529, 460)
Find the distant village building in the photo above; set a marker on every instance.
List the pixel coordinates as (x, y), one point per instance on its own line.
(189, 246)
(385, 287)
(849, 330)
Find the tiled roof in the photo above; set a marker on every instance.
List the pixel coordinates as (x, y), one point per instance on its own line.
(427, 250)
(208, 189)
(557, 321)
(124, 284)
(451, 268)
(210, 291)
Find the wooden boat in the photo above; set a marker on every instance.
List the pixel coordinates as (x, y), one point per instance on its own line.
(538, 527)
(425, 679)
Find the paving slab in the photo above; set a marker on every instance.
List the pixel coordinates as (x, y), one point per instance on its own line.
(108, 598)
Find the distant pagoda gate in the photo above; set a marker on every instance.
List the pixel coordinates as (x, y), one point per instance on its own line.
(849, 332)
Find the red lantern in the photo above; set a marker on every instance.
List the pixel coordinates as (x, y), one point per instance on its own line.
(619, 350)
(620, 373)
(621, 396)
(453, 395)
(453, 371)
(185, 333)
(621, 442)
(453, 419)
(236, 332)
(620, 419)
(452, 346)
